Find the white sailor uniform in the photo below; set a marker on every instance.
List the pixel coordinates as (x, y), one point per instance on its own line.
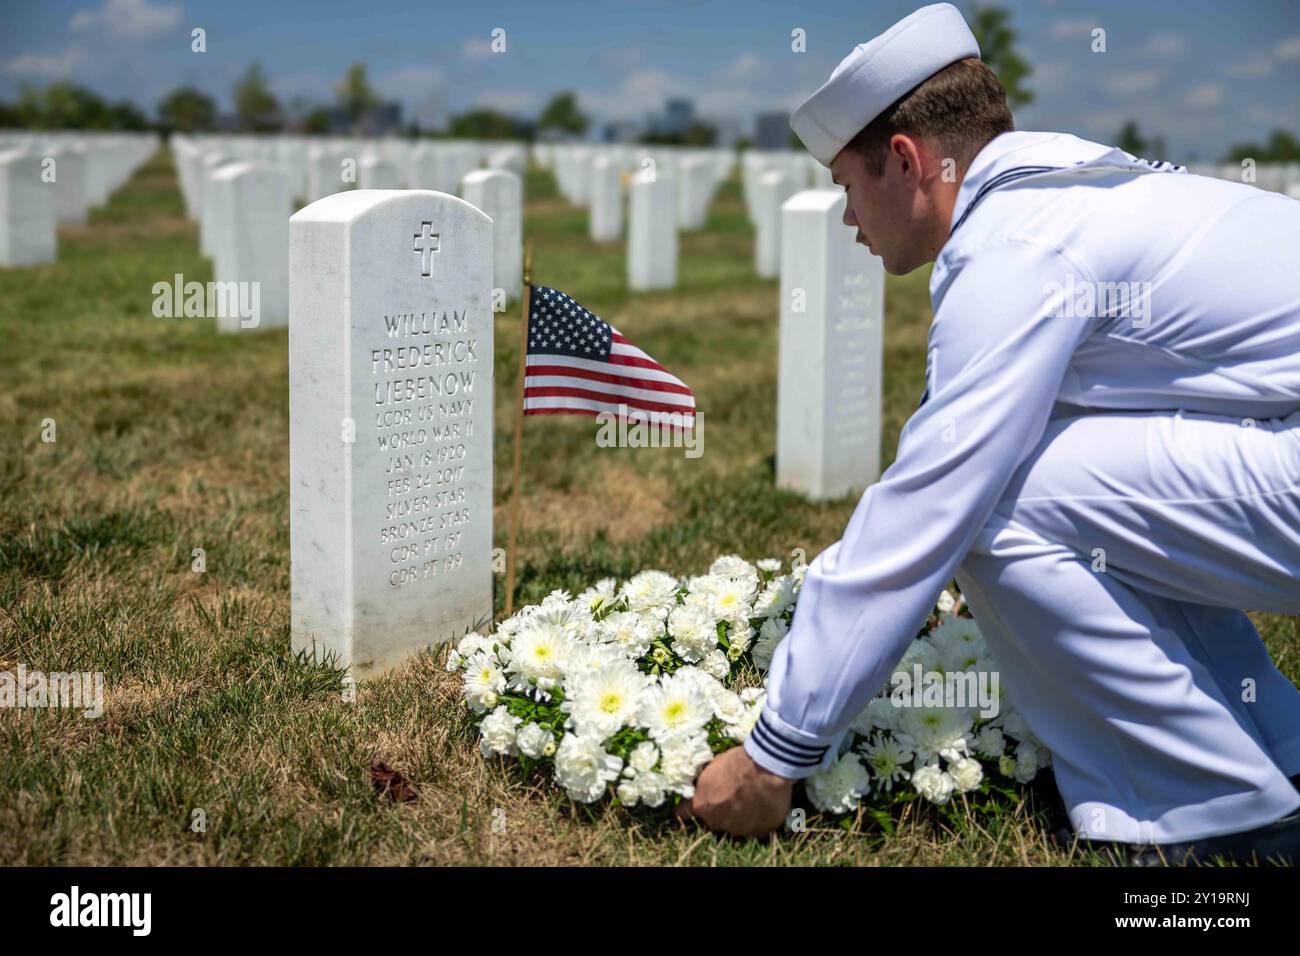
(1110, 482)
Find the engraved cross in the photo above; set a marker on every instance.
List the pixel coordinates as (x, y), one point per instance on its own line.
(426, 244)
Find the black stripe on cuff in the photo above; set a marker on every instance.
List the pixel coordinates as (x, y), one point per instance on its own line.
(792, 752)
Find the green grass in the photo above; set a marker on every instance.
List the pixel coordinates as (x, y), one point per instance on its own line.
(172, 438)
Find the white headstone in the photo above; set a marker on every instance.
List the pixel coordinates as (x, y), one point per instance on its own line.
(28, 212)
(390, 414)
(378, 173)
(832, 318)
(497, 193)
(605, 219)
(694, 190)
(70, 184)
(773, 189)
(652, 231)
(251, 243)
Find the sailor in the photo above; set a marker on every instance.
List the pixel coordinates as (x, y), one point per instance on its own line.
(1106, 458)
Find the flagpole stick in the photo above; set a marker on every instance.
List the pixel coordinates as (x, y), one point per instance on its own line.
(519, 429)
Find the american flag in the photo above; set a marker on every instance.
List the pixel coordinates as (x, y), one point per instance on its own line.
(578, 364)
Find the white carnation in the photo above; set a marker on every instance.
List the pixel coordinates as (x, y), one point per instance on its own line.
(584, 769)
(933, 783)
(533, 740)
(497, 733)
(966, 773)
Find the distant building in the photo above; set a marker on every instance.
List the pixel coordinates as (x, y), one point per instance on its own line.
(772, 131)
(728, 131)
(678, 116)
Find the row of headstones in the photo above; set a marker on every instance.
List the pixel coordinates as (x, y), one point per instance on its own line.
(242, 199)
(1275, 177)
(391, 407)
(49, 180)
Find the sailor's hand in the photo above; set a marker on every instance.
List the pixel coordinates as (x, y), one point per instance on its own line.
(735, 795)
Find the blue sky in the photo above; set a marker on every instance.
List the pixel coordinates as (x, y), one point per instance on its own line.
(1203, 74)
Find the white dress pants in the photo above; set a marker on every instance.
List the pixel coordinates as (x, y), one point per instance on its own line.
(1109, 584)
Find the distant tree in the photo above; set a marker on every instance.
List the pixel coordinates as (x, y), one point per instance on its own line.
(1281, 147)
(997, 40)
(255, 105)
(61, 105)
(486, 124)
(562, 115)
(1131, 141)
(697, 134)
(8, 116)
(125, 115)
(356, 97)
(187, 110)
(317, 121)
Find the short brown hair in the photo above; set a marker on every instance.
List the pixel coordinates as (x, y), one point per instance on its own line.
(962, 107)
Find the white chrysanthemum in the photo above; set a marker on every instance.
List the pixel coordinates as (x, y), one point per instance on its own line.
(538, 655)
(959, 644)
(921, 651)
(588, 658)
(1012, 724)
(535, 741)
(674, 706)
(484, 682)
(934, 731)
(775, 599)
(732, 599)
(603, 702)
(651, 592)
(716, 663)
(574, 617)
(933, 783)
(839, 787)
(471, 644)
(644, 757)
(584, 769)
(599, 596)
(497, 733)
(740, 635)
(770, 565)
(681, 759)
(990, 742)
(966, 773)
(454, 661)
(770, 636)
(946, 602)
(631, 631)
(886, 757)
(733, 566)
(694, 631)
(740, 728)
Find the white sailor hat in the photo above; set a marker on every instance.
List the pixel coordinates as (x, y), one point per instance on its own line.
(877, 73)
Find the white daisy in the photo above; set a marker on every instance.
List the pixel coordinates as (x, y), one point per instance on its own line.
(538, 655)
(775, 599)
(600, 596)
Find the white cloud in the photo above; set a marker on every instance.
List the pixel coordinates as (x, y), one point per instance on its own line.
(746, 67)
(1072, 29)
(1165, 44)
(1204, 96)
(478, 48)
(1135, 81)
(510, 102)
(1256, 64)
(1289, 49)
(44, 65)
(129, 19)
